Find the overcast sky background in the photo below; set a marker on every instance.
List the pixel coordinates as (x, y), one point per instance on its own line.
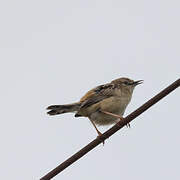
(52, 52)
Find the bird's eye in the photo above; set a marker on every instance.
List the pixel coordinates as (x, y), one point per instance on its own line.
(126, 83)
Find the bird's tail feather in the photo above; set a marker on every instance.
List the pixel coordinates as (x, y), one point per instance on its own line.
(60, 109)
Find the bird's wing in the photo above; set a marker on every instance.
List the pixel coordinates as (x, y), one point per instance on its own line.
(97, 94)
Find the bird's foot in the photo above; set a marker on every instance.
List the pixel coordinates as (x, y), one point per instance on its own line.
(128, 125)
(99, 136)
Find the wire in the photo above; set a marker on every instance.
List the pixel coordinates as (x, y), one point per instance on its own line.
(111, 131)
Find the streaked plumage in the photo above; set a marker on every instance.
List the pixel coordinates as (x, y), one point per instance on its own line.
(112, 97)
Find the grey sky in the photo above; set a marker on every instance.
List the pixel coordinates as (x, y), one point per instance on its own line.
(52, 52)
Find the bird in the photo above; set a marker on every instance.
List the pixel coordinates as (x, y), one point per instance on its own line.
(102, 105)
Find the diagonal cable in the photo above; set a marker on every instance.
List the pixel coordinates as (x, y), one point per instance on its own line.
(111, 131)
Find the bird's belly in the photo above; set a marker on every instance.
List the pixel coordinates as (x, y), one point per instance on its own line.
(103, 119)
(113, 105)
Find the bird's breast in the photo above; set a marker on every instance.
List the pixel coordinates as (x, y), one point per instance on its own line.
(114, 105)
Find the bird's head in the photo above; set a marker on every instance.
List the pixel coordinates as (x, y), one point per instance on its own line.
(126, 83)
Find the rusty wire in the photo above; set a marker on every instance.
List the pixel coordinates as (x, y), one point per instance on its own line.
(111, 131)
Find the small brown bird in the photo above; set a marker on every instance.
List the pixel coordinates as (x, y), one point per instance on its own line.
(103, 105)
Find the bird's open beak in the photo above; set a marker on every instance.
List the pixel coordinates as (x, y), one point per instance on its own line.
(138, 82)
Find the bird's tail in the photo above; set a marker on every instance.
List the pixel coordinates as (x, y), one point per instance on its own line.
(60, 109)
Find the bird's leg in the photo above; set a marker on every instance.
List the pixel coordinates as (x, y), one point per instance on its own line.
(99, 133)
(115, 115)
(128, 125)
(112, 114)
